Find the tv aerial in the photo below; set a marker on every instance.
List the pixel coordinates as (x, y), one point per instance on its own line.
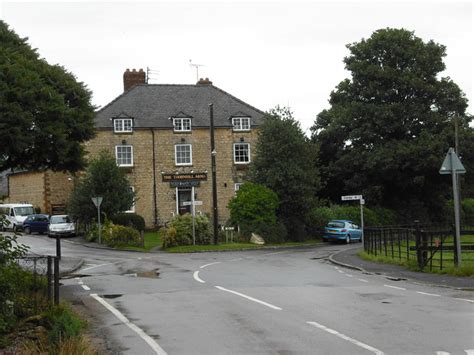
(191, 64)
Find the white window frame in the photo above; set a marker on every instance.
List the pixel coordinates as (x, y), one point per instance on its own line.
(237, 124)
(132, 207)
(237, 186)
(190, 154)
(248, 153)
(182, 125)
(119, 125)
(117, 154)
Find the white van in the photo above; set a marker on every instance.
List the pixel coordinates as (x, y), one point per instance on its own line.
(15, 214)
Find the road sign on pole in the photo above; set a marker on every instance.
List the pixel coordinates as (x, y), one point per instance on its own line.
(97, 202)
(452, 165)
(351, 197)
(362, 203)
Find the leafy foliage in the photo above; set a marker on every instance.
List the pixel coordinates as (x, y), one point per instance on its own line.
(45, 114)
(119, 236)
(180, 231)
(129, 220)
(390, 125)
(102, 178)
(285, 162)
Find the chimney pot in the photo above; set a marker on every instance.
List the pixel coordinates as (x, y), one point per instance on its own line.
(204, 82)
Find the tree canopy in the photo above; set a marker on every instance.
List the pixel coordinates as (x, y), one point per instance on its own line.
(285, 163)
(45, 114)
(102, 178)
(390, 125)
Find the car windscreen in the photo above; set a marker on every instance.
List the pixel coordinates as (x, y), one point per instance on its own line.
(23, 211)
(336, 224)
(60, 219)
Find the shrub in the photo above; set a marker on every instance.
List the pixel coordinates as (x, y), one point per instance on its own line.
(117, 236)
(64, 324)
(129, 220)
(467, 206)
(180, 231)
(168, 237)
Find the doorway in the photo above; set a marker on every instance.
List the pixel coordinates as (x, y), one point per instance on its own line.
(183, 195)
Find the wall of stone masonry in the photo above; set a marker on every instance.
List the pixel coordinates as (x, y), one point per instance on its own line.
(27, 187)
(141, 174)
(58, 186)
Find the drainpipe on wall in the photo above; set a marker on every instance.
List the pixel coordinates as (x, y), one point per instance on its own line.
(155, 212)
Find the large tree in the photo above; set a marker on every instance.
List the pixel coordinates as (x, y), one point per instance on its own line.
(105, 179)
(391, 124)
(284, 163)
(45, 114)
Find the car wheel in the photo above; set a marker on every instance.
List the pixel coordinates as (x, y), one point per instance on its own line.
(27, 230)
(348, 239)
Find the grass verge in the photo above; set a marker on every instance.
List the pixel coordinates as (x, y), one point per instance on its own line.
(466, 269)
(152, 240)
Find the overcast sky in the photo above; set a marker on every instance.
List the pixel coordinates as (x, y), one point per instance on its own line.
(266, 53)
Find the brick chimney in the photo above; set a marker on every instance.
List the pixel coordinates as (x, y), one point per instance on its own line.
(132, 78)
(204, 82)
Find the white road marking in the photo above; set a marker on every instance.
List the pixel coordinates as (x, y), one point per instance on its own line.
(349, 275)
(94, 266)
(469, 352)
(363, 280)
(396, 287)
(85, 287)
(238, 259)
(442, 353)
(80, 282)
(345, 337)
(274, 253)
(202, 267)
(149, 340)
(428, 294)
(196, 277)
(342, 272)
(464, 299)
(249, 298)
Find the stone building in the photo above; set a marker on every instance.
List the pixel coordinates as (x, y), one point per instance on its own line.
(160, 135)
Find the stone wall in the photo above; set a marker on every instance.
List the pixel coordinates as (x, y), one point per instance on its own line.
(141, 174)
(27, 187)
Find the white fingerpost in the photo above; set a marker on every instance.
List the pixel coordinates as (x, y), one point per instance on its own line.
(362, 203)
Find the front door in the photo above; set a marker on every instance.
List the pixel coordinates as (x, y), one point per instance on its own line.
(183, 195)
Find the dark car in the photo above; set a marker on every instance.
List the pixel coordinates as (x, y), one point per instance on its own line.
(36, 223)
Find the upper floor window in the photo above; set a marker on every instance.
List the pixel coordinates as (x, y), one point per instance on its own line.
(183, 154)
(241, 153)
(124, 155)
(182, 124)
(241, 123)
(122, 125)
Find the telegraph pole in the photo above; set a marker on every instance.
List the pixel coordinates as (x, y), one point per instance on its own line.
(213, 169)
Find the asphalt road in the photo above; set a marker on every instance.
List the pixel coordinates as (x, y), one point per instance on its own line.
(260, 302)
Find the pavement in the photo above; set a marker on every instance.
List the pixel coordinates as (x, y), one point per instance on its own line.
(347, 258)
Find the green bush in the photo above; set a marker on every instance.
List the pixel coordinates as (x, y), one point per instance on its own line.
(119, 236)
(129, 220)
(168, 237)
(180, 231)
(63, 324)
(467, 206)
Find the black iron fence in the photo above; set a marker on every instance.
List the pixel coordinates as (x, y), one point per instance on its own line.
(432, 246)
(44, 272)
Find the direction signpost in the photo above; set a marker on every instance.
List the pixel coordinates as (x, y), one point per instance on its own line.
(193, 203)
(452, 165)
(97, 202)
(362, 203)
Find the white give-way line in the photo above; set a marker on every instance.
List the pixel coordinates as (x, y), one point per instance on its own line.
(197, 278)
(149, 340)
(249, 298)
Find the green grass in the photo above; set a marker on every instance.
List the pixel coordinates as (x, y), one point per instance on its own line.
(236, 246)
(152, 240)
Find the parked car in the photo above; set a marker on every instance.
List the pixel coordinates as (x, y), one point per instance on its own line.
(342, 230)
(36, 223)
(15, 214)
(61, 225)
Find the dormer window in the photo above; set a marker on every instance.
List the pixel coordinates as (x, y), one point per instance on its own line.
(182, 124)
(123, 125)
(241, 123)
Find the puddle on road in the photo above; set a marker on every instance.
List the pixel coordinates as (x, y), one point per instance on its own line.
(153, 274)
(112, 296)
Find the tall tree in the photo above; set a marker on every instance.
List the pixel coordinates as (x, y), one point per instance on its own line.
(390, 125)
(45, 114)
(102, 178)
(285, 163)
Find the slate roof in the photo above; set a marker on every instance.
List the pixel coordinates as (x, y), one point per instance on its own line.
(151, 105)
